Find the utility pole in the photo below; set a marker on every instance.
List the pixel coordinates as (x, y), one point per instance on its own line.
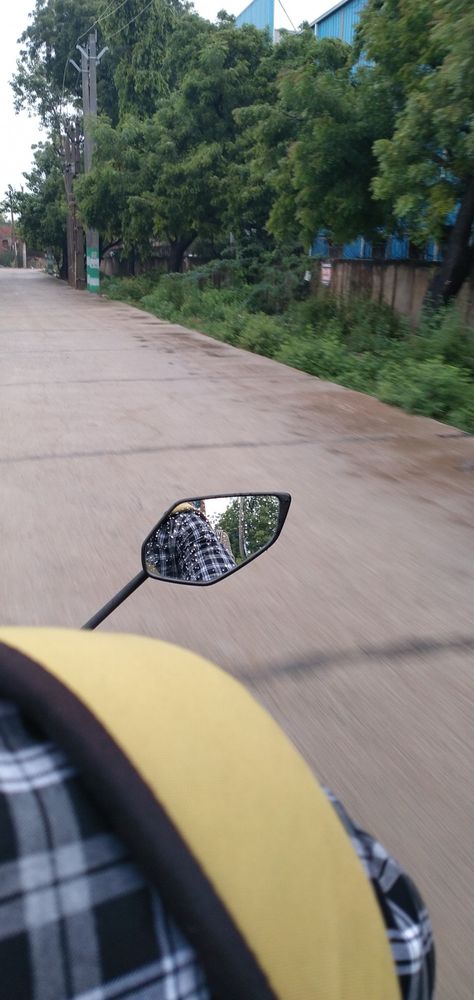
(71, 152)
(75, 233)
(90, 60)
(13, 235)
(68, 179)
(78, 232)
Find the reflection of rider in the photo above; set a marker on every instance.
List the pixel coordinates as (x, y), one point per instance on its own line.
(185, 547)
(149, 847)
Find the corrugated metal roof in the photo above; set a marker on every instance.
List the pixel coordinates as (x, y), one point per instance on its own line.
(331, 10)
(260, 13)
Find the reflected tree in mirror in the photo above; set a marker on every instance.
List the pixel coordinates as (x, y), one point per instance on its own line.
(250, 523)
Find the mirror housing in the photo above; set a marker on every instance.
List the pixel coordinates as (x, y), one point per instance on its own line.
(200, 540)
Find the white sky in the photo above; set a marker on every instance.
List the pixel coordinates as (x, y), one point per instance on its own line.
(19, 132)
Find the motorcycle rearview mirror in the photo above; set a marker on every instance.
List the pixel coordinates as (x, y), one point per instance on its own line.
(200, 540)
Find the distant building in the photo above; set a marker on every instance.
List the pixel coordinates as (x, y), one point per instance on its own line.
(5, 237)
(340, 21)
(12, 248)
(260, 13)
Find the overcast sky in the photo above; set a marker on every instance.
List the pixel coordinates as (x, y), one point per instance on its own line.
(19, 132)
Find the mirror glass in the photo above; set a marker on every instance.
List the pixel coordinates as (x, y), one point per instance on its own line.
(199, 541)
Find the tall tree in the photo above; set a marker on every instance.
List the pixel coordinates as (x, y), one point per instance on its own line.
(45, 81)
(313, 143)
(424, 49)
(138, 37)
(168, 175)
(250, 523)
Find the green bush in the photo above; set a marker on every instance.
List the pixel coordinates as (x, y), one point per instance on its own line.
(445, 335)
(261, 334)
(361, 373)
(322, 355)
(130, 289)
(429, 387)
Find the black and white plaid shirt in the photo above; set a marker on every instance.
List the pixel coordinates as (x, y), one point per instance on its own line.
(78, 920)
(186, 548)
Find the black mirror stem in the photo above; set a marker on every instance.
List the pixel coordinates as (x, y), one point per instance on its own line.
(115, 601)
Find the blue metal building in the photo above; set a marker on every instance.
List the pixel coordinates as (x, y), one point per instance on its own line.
(340, 21)
(260, 13)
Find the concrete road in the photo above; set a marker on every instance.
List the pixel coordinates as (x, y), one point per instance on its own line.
(356, 630)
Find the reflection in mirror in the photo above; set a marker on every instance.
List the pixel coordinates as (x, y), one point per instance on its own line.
(200, 541)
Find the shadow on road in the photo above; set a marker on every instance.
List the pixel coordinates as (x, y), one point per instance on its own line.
(392, 651)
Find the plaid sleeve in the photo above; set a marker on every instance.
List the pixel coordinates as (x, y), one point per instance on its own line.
(78, 921)
(406, 918)
(201, 556)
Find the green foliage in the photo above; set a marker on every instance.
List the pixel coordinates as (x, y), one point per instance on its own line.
(444, 336)
(167, 175)
(261, 334)
(310, 143)
(213, 132)
(324, 355)
(250, 523)
(425, 51)
(432, 388)
(44, 76)
(274, 278)
(41, 209)
(138, 50)
(130, 290)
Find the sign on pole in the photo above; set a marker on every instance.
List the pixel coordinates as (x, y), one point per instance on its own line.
(93, 271)
(326, 272)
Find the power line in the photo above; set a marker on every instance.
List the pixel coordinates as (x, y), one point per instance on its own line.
(132, 19)
(108, 12)
(287, 15)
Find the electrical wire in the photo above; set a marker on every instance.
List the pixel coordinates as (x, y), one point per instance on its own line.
(61, 99)
(108, 12)
(287, 15)
(132, 19)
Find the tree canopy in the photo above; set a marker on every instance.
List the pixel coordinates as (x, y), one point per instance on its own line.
(314, 143)
(424, 50)
(208, 129)
(250, 522)
(167, 175)
(44, 78)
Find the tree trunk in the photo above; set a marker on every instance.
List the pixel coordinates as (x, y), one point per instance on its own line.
(177, 251)
(63, 266)
(131, 262)
(458, 256)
